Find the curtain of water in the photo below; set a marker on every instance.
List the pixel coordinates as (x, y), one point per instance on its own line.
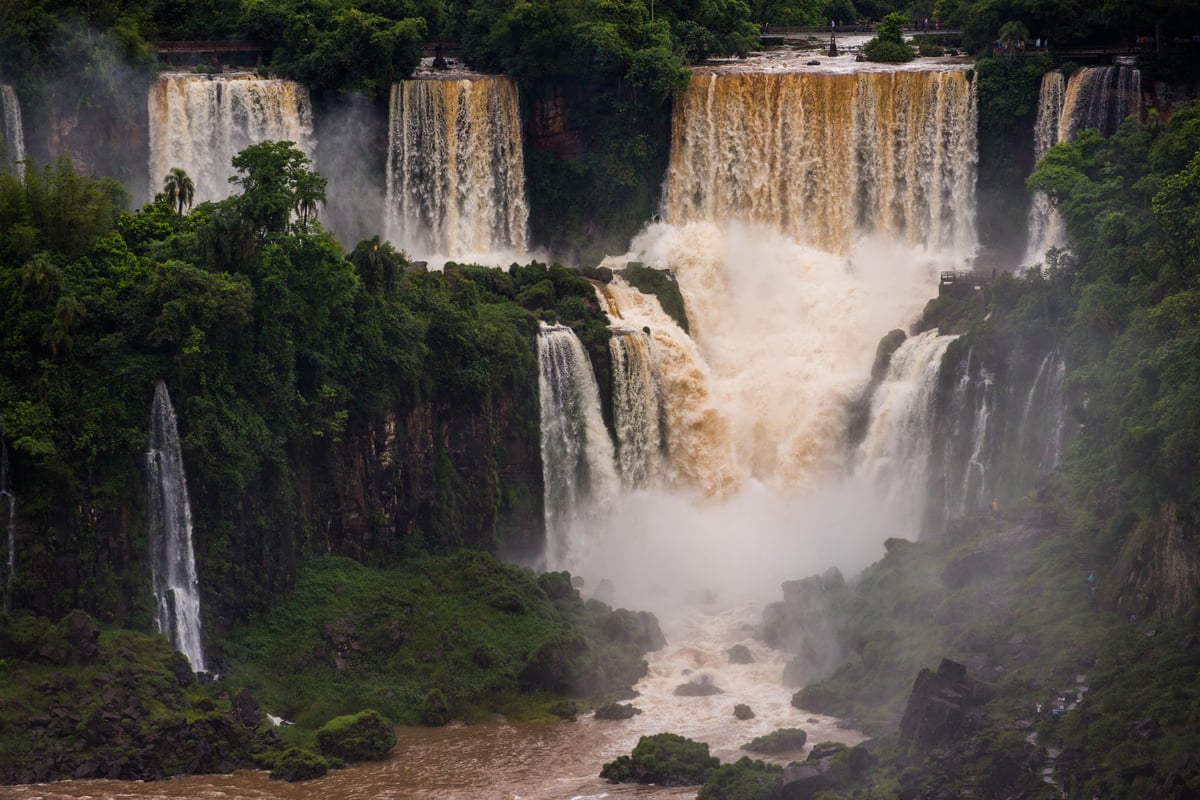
(172, 560)
(636, 409)
(12, 134)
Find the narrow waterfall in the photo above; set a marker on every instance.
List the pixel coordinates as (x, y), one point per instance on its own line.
(894, 455)
(1043, 418)
(578, 466)
(455, 169)
(11, 520)
(636, 409)
(199, 123)
(1045, 225)
(172, 561)
(1095, 97)
(12, 133)
(827, 157)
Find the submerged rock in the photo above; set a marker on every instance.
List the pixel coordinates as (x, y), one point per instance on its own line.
(702, 686)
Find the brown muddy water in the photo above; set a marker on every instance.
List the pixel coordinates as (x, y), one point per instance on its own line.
(557, 761)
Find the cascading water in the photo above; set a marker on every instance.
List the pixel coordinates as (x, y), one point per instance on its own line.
(455, 170)
(172, 561)
(12, 133)
(1095, 97)
(1043, 419)
(894, 454)
(636, 409)
(199, 123)
(1045, 225)
(578, 467)
(827, 157)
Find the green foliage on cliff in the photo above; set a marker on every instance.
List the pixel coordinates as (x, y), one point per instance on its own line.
(888, 44)
(478, 633)
(287, 361)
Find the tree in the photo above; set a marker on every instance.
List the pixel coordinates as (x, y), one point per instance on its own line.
(309, 193)
(178, 189)
(888, 44)
(1013, 33)
(271, 174)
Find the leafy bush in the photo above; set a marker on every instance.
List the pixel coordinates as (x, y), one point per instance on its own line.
(780, 741)
(666, 759)
(743, 780)
(887, 52)
(365, 736)
(298, 764)
(930, 50)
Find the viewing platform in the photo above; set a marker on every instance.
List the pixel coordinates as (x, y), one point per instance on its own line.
(243, 52)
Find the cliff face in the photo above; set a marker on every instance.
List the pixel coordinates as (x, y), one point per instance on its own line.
(1158, 568)
(435, 475)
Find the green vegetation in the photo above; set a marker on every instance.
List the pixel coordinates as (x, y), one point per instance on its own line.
(365, 736)
(297, 764)
(440, 637)
(745, 779)
(781, 741)
(666, 759)
(888, 44)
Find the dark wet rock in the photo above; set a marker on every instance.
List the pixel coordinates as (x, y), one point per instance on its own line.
(247, 709)
(973, 567)
(617, 711)
(784, 740)
(740, 654)
(804, 781)
(702, 686)
(743, 712)
(940, 705)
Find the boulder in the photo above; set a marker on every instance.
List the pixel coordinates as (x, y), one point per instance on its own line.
(700, 687)
(617, 711)
(804, 781)
(939, 705)
(740, 654)
(246, 708)
(743, 712)
(365, 736)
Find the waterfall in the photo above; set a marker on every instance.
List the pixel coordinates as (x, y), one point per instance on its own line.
(172, 561)
(894, 455)
(199, 123)
(455, 169)
(827, 157)
(1045, 225)
(1095, 97)
(579, 472)
(636, 409)
(1043, 416)
(12, 134)
(1100, 98)
(11, 519)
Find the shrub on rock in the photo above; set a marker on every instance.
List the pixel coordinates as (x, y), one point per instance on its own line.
(617, 711)
(365, 736)
(781, 741)
(298, 764)
(666, 759)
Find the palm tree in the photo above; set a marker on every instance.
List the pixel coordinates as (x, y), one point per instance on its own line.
(309, 191)
(179, 189)
(1012, 33)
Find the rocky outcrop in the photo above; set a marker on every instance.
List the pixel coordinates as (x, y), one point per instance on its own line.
(617, 711)
(940, 705)
(702, 686)
(1158, 568)
(804, 623)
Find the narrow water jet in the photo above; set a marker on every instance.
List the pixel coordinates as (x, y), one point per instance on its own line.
(172, 560)
(455, 168)
(12, 133)
(199, 123)
(578, 465)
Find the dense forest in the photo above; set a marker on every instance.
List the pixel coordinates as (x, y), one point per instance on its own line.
(299, 365)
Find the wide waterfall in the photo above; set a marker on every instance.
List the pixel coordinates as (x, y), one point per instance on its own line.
(636, 409)
(199, 123)
(579, 470)
(12, 134)
(455, 169)
(1095, 97)
(172, 560)
(827, 157)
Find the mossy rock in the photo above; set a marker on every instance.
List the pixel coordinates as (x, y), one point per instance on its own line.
(435, 710)
(781, 741)
(666, 759)
(298, 764)
(617, 711)
(365, 736)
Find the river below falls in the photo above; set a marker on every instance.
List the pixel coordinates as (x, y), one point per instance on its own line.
(556, 761)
